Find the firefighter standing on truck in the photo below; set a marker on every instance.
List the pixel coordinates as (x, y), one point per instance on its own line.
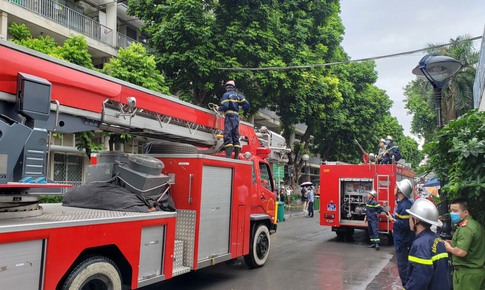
(372, 209)
(403, 236)
(230, 102)
(428, 259)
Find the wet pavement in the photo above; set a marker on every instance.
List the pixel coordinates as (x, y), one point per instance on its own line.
(386, 279)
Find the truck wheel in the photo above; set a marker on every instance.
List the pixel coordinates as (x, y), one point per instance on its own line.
(259, 248)
(94, 273)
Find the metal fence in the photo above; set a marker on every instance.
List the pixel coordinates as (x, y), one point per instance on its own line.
(123, 41)
(68, 17)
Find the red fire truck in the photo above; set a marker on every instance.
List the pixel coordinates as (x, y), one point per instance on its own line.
(225, 208)
(343, 194)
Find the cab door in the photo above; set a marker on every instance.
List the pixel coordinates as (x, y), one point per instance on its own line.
(267, 189)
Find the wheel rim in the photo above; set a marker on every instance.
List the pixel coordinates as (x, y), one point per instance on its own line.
(97, 282)
(262, 245)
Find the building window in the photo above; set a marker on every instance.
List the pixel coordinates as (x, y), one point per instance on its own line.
(131, 33)
(68, 168)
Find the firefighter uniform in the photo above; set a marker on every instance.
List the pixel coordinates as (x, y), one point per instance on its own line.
(469, 271)
(372, 209)
(403, 236)
(428, 263)
(230, 103)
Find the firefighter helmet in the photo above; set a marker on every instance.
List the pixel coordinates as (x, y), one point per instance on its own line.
(426, 211)
(382, 140)
(230, 83)
(405, 187)
(389, 138)
(373, 193)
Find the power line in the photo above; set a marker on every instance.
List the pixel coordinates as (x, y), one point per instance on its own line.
(343, 62)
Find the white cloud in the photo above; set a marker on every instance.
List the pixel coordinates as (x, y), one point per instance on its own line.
(381, 27)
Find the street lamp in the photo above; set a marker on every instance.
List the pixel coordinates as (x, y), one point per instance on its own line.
(306, 157)
(437, 70)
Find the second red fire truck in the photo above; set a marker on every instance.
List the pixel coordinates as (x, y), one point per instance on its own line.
(343, 194)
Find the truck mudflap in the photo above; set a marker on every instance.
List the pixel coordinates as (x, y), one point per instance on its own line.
(273, 228)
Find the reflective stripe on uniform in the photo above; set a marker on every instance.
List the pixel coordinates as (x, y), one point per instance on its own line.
(230, 100)
(402, 216)
(373, 205)
(230, 112)
(427, 261)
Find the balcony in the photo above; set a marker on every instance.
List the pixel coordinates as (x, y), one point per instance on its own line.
(68, 17)
(123, 41)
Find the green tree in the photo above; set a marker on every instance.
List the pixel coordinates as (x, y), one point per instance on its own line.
(457, 157)
(184, 41)
(20, 34)
(192, 39)
(133, 64)
(74, 50)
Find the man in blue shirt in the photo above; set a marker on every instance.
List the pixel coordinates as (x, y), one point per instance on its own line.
(311, 198)
(428, 259)
(403, 236)
(230, 102)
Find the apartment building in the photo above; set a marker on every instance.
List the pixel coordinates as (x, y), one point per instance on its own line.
(104, 23)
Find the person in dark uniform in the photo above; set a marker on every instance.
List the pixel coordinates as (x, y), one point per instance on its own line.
(230, 103)
(428, 259)
(467, 248)
(403, 236)
(372, 209)
(393, 154)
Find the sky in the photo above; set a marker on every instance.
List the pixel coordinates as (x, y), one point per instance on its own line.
(381, 27)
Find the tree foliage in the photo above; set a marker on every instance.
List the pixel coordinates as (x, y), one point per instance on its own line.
(193, 39)
(74, 49)
(133, 64)
(457, 157)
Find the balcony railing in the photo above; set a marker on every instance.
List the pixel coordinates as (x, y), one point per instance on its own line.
(123, 41)
(68, 17)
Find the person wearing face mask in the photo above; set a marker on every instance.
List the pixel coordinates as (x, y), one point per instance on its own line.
(403, 236)
(467, 248)
(428, 259)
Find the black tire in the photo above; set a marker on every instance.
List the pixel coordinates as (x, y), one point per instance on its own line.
(340, 234)
(345, 234)
(97, 272)
(259, 248)
(165, 147)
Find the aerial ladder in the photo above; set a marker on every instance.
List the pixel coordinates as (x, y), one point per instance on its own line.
(41, 94)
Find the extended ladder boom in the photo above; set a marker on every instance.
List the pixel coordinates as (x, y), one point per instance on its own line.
(83, 100)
